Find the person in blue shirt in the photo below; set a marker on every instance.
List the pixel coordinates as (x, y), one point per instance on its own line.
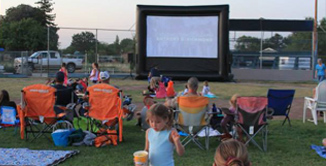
(320, 70)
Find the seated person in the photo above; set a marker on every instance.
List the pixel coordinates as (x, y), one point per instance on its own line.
(153, 84)
(71, 83)
(160, 91)
(206, 89)
(5, 99)
(82, 85)
(192, 85)
(65, 95)
(154, 72)
(229, 117)
(148, 102)
(185, 90)
(170, 90)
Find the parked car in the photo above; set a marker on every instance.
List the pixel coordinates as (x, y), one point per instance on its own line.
(105, 59)
(41, 58)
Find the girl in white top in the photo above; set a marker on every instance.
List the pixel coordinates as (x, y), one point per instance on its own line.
(95, 73)
(206, 89)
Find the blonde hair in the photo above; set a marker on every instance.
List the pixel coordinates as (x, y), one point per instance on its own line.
(206, 83)
(233, 100)
(232, 153)
(160, 110)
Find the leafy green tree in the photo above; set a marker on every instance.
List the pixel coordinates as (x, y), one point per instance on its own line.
(83, 42)
(299, 41)
(22, 11)
(32, 33)
(247, 43)
(127, 45)
(322, 37)
(14, 36)
(276, 42)
(46, 8)
(69, 50)
(116, 44)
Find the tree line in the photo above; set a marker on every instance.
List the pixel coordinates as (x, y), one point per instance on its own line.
(296, 41)
(24, 28)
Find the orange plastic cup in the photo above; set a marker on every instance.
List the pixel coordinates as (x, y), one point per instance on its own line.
(141, 158)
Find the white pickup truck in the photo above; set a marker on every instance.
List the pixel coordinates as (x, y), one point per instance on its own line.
(40, 60)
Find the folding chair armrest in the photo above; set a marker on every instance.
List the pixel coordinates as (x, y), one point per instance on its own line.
(61, 115)
(309, 99)
(227, 111)
(270, 112)
(208, 116)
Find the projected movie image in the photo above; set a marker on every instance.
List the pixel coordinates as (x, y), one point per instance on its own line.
(182, 36)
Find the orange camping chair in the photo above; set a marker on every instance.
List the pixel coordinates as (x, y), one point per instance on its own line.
(105, 106)
(192, 117)
(37, 113)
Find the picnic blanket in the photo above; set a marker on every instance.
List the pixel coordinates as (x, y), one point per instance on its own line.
(25, 156)
(320, 150)
(202, 133)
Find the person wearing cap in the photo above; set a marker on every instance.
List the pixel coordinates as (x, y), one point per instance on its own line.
(65, 95)
(105, 77)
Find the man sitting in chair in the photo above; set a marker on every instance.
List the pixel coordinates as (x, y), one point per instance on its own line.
(105, 78)
(64, 94)
(192, 85)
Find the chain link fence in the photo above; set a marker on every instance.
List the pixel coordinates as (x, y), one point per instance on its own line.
(269, 50)
(256, 50)
(26, 62)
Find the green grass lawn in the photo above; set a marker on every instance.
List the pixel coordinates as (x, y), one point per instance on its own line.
(286, 146)
(224, 90)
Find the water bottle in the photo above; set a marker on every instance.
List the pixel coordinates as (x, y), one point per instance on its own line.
(214, 108)
(215, 111)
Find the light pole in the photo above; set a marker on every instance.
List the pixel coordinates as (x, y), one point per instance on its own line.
(315, 40)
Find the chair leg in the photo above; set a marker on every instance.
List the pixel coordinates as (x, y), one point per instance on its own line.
(289, 122)
(314, 115)
(286, 118)
(324, 116)
(284, 121)
(304, 111)
(207, 137)
(265, 132)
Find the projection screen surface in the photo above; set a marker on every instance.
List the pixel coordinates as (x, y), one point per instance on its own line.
(182, 36)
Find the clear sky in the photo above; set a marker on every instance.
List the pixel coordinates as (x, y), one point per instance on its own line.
(120, 14)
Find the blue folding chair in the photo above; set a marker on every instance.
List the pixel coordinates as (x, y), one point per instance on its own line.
(8, 117)
(280, 101)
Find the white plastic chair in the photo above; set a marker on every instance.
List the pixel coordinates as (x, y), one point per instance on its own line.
(316, 104)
